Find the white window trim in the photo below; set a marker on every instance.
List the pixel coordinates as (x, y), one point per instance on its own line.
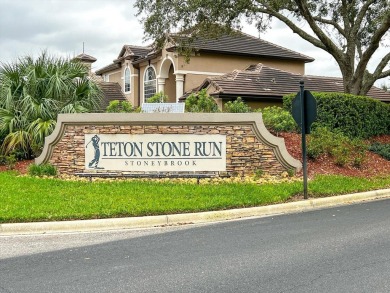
(143, 81)
(124, 80)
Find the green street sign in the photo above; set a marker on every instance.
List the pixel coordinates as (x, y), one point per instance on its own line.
(309, 110)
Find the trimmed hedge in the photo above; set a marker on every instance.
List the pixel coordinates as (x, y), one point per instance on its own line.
(277, 119)
(355, 116)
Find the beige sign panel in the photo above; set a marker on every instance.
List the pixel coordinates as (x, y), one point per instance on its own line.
(155, 152)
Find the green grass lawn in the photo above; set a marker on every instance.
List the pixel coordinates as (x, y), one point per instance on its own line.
(25, 199)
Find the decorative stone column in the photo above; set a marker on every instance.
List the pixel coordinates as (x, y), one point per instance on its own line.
(179, 86)
(160, 84)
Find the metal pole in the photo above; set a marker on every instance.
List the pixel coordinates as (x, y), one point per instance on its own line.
(303, 129)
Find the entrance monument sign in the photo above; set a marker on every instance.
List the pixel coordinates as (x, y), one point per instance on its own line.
(156, 152)
(218, 144)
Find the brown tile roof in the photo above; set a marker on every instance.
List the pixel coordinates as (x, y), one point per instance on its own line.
(108, 68)
(139, 51)
(133, 52)
(112, 91)
(263, 81)
(238, 43)
(85, 58)
(246, 45)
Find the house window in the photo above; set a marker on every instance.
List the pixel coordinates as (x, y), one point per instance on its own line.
(149, 83)
(127, 80)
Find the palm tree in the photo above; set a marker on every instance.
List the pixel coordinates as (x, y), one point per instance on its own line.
(34, 92)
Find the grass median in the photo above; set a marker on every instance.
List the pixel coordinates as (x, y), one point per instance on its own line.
(27, 199)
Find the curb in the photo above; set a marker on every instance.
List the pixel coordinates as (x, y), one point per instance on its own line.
(190, 218)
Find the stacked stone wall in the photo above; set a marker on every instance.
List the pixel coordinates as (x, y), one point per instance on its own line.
(249, 146)
(245, 153)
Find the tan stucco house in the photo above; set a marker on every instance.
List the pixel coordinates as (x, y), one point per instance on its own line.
(143, 71)
(231, 66)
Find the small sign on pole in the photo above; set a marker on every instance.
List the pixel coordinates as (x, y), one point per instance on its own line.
(304, 111)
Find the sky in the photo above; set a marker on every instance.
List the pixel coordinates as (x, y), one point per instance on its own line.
(27, 27)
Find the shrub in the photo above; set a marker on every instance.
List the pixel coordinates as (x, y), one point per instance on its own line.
(258, 173)
(290, 172)
(201, 102)
(42, 170)
(116, 106)
(10, 161)
(359, 149)
(381, 149)
(343, 149)
(237, 106)
(341, 154)
(158, 98)
(355, 116)
(277, 119)
(322, 141)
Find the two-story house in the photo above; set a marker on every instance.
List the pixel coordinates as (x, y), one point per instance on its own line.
(144, 71)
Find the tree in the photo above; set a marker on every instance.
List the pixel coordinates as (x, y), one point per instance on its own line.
(117, 106)
(237, 106)
(201, 102)
(34, 92)
(159, 97)
(350, 30)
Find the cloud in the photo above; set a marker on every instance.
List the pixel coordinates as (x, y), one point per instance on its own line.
(104, 26)
(61, 27)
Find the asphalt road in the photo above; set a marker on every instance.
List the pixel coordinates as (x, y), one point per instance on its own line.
(344, 249)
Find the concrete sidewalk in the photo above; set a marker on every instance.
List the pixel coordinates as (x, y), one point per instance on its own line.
(190, 218)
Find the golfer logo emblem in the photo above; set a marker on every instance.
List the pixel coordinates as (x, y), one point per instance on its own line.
(94, 163)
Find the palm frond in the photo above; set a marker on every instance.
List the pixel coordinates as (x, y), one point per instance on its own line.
(16, 140)
(34, 92)
(39, 129)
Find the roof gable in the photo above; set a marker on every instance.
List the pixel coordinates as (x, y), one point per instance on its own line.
(134, 51)
(127, 52)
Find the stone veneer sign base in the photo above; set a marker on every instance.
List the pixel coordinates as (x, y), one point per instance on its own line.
(141, 143)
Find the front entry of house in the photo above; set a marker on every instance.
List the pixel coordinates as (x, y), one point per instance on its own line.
(169, 82)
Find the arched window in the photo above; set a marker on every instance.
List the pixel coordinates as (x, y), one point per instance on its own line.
(127, 80)
(149, 83)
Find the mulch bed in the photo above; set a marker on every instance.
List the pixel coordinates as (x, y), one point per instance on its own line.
(374, 165)
(21, 166)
